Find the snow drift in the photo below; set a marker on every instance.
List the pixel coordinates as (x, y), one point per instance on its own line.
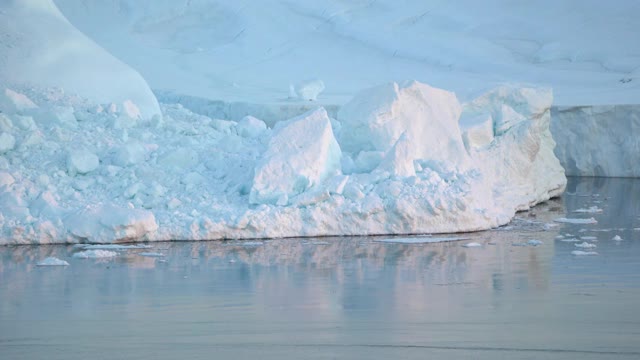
(40, 48)
(400, 158)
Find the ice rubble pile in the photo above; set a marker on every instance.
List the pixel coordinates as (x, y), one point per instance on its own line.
(399, 158)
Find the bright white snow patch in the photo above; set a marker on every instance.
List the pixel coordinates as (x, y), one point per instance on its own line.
(617, 238)
(95, 254)
(52, 261)
(534, 242)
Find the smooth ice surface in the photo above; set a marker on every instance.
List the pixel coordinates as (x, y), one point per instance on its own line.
(346, 298)
(40, 48)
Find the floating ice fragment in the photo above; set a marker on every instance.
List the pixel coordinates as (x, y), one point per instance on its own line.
(52, 261)
(151, 254)
(583, 253)
(585, 245)
(591, 210)
(576, 221)
(617, 238)
(589, 238)
(569, 240)
(472, 245)
(95, 254)
(534, 242)
(110, 247)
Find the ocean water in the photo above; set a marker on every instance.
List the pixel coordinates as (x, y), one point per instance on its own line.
(345, 298)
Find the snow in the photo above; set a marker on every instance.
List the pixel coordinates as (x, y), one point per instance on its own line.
(95, 254)
(52, 261)
(534, 242)
(617, 238)
(41, 48)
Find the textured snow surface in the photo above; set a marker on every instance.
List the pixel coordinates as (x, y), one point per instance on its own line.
(188, 176)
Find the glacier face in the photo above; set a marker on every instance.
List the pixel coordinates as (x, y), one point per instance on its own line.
(189, 176)
(598, 140)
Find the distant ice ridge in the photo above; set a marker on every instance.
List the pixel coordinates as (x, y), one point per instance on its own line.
(39, 47)
(401, 158)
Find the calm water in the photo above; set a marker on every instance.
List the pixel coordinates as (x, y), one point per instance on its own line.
(353, 298)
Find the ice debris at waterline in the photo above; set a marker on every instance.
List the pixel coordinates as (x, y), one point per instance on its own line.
(52, 261)
(399, 159)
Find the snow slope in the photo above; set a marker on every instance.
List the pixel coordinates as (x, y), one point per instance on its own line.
(40, 48)
(248, 50)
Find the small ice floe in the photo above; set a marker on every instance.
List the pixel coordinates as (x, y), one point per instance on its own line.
(589, 238)
(569, 240)
(585, 245)
(420, 239)
(559, 237)
(549, 226)
(519, 244)
(232, 261)
(534, 242)
(589, 210)
(472, 245)
(151, 254)
(617, 238)
(319, 243)
(95, 254)
(251, 243)
(583, 253)
(52, 261)
(576, 221)
(110, 247)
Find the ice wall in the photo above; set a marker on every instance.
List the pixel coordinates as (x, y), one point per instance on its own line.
(40, 48)
(598, 140)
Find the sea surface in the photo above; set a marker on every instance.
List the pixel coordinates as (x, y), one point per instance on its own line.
(347, 297)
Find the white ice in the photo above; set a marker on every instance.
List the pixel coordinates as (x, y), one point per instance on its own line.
(52, 261)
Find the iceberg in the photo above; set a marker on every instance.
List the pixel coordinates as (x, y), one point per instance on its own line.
(421, 167)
